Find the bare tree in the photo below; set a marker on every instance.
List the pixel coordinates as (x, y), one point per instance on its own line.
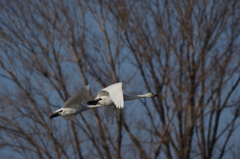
(185, 51)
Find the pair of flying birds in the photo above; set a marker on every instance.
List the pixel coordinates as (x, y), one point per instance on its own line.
(109, 98)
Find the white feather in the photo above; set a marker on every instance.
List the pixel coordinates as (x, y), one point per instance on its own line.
(115, 93)
(77, 98)
(108, 113)
(69, 117)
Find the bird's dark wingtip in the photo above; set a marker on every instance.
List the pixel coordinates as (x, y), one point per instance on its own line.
(55, 114)
(90, 102)
(94, 101)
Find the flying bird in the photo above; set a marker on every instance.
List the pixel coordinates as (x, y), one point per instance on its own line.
(109, 98)
(73, 105)
(112, 97)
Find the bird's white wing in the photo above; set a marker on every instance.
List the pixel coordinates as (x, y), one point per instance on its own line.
(69, 117)
(108, 113)
(115, 93)
(77, 97)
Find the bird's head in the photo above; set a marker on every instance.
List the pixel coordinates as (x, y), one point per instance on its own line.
(150, 95)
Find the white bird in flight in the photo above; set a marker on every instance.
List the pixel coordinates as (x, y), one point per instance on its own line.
(109, 98)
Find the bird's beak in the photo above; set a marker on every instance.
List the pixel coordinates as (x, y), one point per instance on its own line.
(155, 95)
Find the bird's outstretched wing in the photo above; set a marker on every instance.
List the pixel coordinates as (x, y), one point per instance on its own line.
(115, 93)
(77, 97)
(108, 113)
(69, 118)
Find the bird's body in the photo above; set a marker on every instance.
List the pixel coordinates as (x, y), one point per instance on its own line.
(105, 100)
(112, 97)
(109, 98)
(73, 105)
